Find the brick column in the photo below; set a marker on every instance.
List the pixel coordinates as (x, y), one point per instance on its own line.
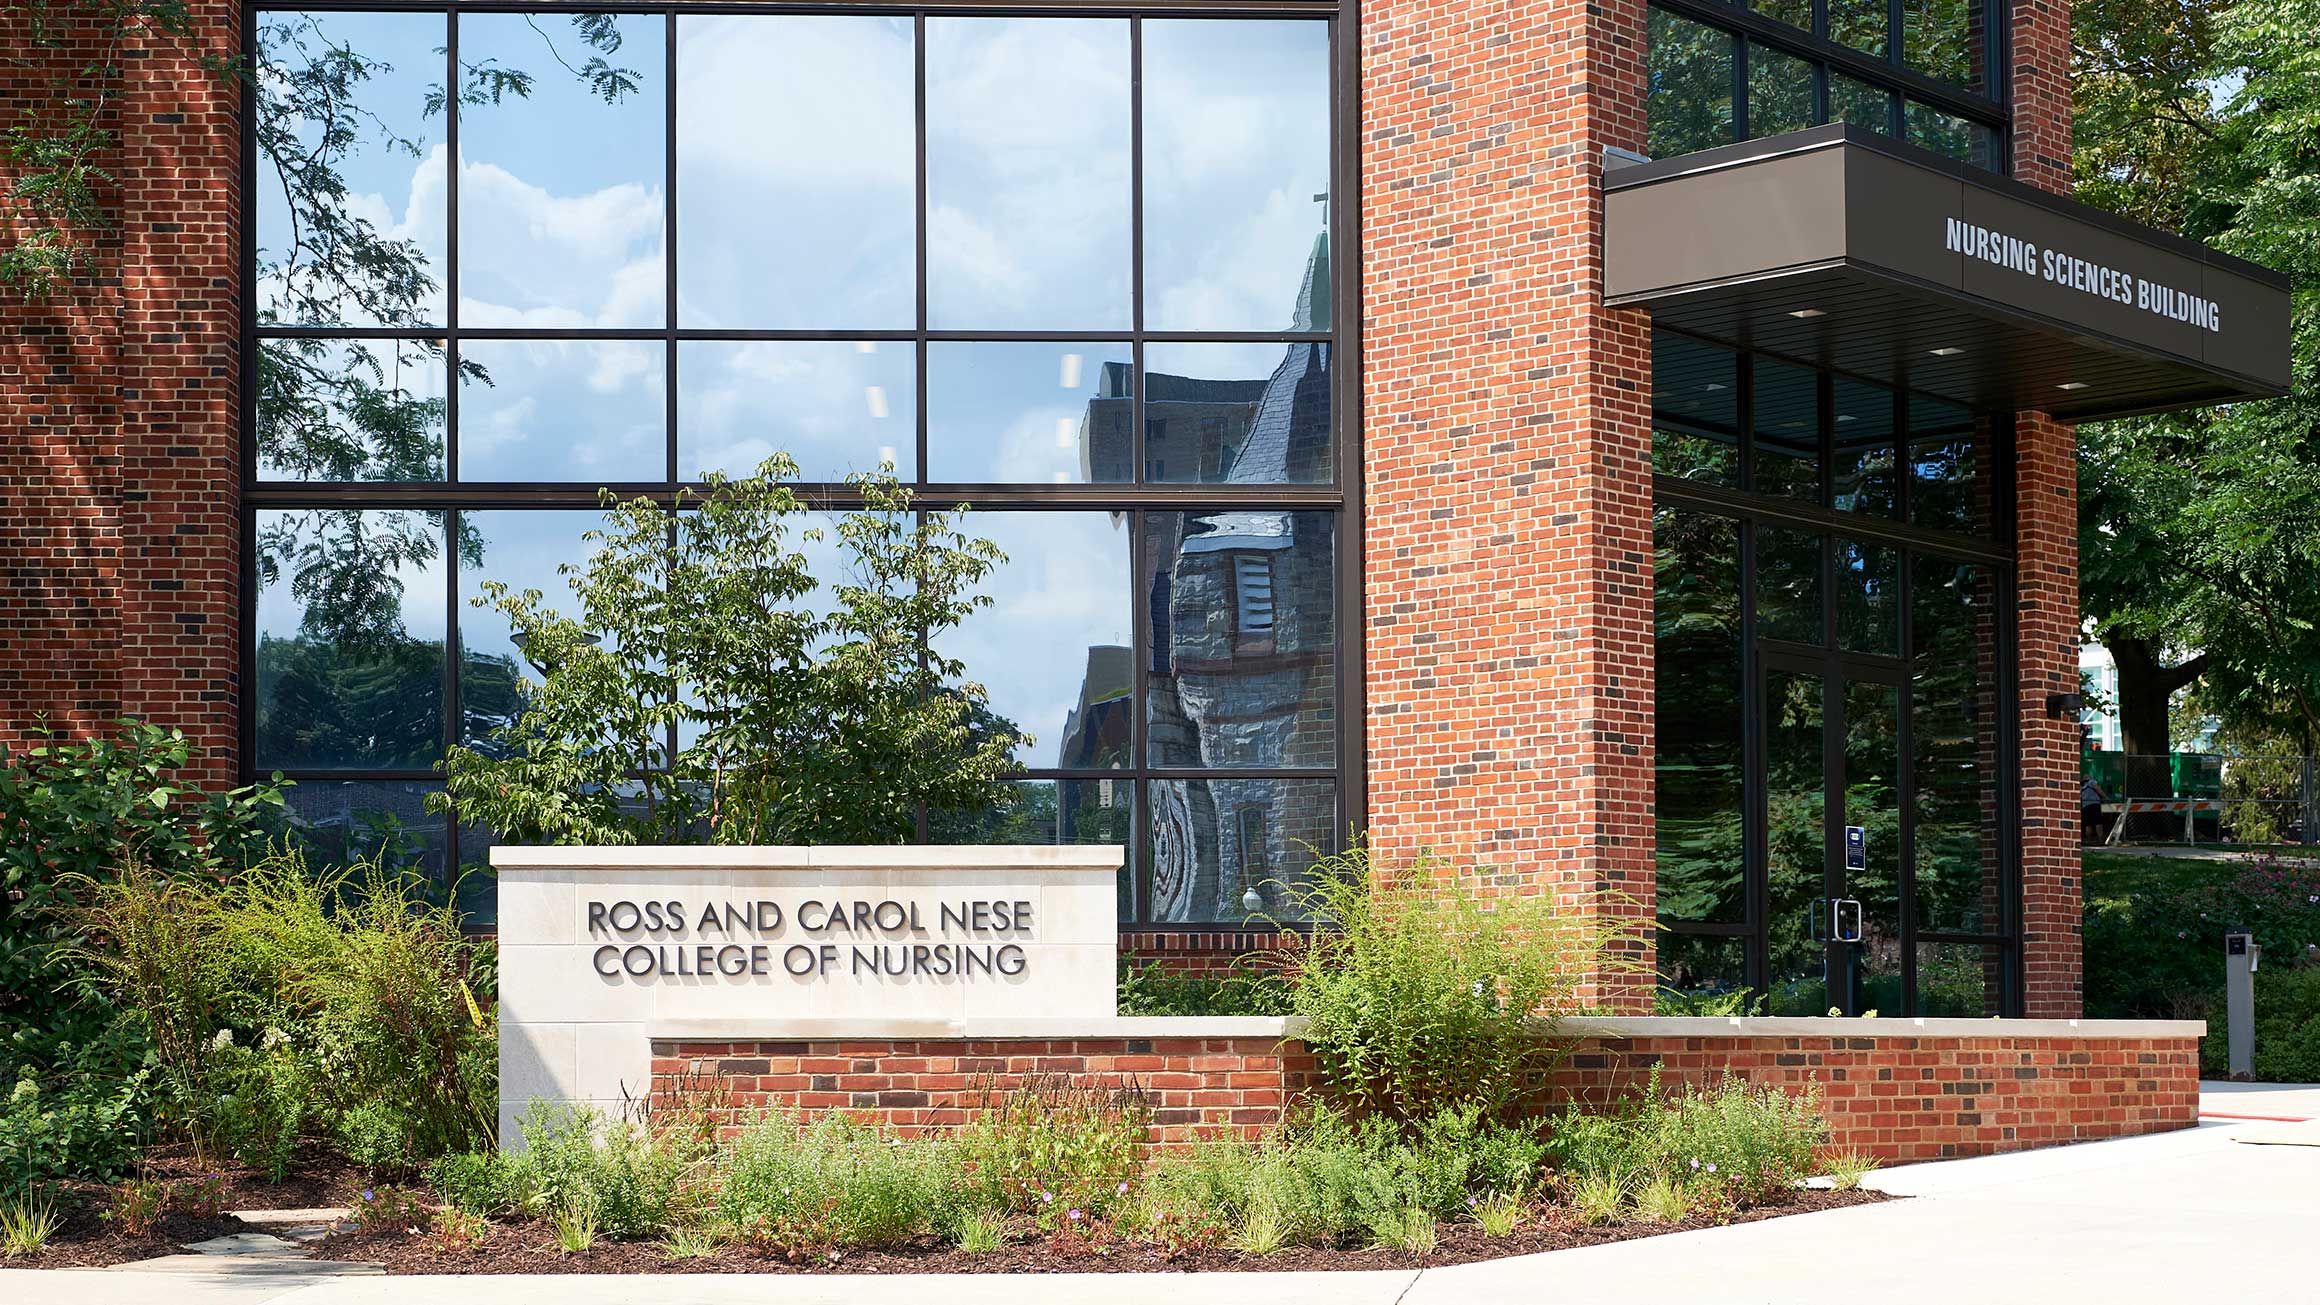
(2046, 576)
(1506, 419)
(60, 456)
(119, 546)
(180, 413)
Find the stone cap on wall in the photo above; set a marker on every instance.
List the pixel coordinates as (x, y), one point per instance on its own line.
(1040, 856)
(1262, 1026)
(1813, 1026)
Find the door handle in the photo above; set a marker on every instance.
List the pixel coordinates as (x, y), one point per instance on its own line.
(1837, 928)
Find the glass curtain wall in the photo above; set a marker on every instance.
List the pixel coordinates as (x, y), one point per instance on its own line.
(1924, 71)
(1834, 719)
(1073, 269)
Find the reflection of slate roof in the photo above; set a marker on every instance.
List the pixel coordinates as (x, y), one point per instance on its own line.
(1104, 688)
(1297, 394)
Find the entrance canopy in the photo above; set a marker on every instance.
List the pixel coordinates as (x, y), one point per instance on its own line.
(1852, 251)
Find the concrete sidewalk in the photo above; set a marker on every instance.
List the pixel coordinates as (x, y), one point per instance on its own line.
(2178, 1216)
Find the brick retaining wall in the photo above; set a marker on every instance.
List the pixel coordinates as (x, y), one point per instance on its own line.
(1900, 1096)
(1196, 1085)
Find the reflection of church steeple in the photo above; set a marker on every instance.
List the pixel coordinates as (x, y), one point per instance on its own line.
(1313, 294)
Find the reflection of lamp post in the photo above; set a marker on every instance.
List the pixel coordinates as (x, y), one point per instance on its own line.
(1252, 901)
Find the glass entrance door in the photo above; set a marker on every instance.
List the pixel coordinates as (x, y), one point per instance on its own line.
(1832, 827)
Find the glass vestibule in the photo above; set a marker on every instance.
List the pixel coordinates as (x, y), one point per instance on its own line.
(1832, 735)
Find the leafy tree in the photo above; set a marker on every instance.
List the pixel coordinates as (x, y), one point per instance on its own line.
(2200, 531)
(709, 688)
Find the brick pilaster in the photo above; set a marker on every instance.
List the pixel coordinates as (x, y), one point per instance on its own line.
(2046, 576)
(1506, 419)
(119, 548)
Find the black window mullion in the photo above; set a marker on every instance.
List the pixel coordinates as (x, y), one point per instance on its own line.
(919, 475)
(670, 415)
(451, 114)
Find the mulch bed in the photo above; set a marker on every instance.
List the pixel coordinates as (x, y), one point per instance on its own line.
(85, 1238)
(530, 1248)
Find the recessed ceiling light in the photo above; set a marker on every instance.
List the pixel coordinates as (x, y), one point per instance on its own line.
(1713, 386)
(1844, 417)
(1809, 312)
(2072, 385)
(1946, 351)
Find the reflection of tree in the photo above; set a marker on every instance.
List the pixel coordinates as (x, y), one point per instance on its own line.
(1696, 591)
(344, 410)
(1690, 91)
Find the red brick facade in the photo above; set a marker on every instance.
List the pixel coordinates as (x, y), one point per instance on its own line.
(120, 550)
(1899, 1098)
(1506, 429)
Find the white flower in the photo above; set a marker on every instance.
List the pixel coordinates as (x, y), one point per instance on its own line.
(271, 1038)
(221, 1040)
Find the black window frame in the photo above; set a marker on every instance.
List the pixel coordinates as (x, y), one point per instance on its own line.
(1132, 502)
(1993, 548)
(1890, 73)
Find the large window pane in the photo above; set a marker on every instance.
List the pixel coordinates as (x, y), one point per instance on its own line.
(592, 411)
(1029, 812)
(836, 407)
(1780, 92)
(1052, 648)
(1945, 40)
(1234, 851)
(1027, 153)
(1796, 831)
(1865, 25)
(1786, 426)
(520, 549)
(1857, 102)
(1954, 617)
(350, 626)
(1696, 604)
(350, 410)
(1959, 980)
(1702, 974)
(1868, 598)
(562, 185)
(1028, 413)
(1788, 585)
(1242, 414)
(1948, 134)
(1695, 407)
(1948, 467)
(338, 821)
(1796, 13)
(796, 173)
(1863, 476)
(351, 195)
(1689, 104)
(1242, 639)
(1236, 175)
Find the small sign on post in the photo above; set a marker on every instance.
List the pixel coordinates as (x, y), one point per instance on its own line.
(2241, 952)
(1856, 848)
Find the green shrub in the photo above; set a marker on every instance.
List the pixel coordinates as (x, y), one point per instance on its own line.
(1740, 1138)
(1330, 1181)
(286, 1003)
(84, 809)
(1052, 1145)
(2287, 1032)
(627, 1178)
(1148, 989)
(493, 1184)
(833, 1184)
(1427, 997)
(77, 1127)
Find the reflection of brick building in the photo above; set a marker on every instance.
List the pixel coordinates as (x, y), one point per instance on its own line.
(1242, 620)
